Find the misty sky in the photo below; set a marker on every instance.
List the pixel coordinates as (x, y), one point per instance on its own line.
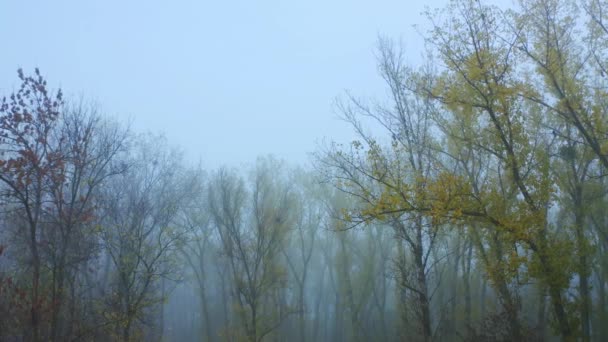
(225, 80)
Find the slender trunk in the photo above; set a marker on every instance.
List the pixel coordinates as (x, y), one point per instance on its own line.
(225, 303)
(59, 274)
(508, 300)
(482, 298)
(423, 301)
(559, 311)
(602, 314)
(302, 323)
(253, 335)
(338, 318)
(207, 321)
(423, 298)
(350, 300)
(511, 307)
(542, 324)
(584, 268)
(600, 328)
(57, 300)
(584, 290)
(402, 304)
(326, 321)
(554, 288)
(72, 308)
(35, 305)
(467, 284)
(315, 327)
(161, 324)
(384, 332)
(451, 326)
(380, 301)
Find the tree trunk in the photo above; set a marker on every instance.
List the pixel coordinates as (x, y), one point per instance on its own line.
(451, 327)
(207, 320)
(467, 283)
(224, 299)
(57, 302)
(350, 300)
(555, 291)
(423, 298)
(583, 266)
(509, 303)
(542, 324)
(253, 334)
(560, 313)
(161, 325)
(602, 314)
(315, 327)
(35, 308)
(482, 298)
(302, 323)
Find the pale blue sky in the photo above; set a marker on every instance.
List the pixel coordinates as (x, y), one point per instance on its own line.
(225, 80)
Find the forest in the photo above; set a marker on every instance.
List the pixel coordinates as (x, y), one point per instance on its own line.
(471, 207)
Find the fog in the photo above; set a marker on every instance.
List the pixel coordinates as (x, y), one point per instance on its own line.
(303, 171)
(226, 81)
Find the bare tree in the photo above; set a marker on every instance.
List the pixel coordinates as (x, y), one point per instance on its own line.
(369, 169)
(31, 163)
(252, 224)
(298, 250)
(140, 233)
(198, 253)
(88, 144)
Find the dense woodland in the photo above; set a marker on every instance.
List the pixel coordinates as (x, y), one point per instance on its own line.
(472, 207)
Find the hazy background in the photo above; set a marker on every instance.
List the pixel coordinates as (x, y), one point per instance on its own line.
(225, 80)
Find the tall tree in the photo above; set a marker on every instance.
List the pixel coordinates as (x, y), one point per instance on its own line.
(140, 233)
(376, 176)
(31, 163)
(88, 144)
(252, 223)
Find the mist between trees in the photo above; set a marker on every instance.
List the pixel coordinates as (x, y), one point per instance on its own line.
(477, 212)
